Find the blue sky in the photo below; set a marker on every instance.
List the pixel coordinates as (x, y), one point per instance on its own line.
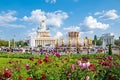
(89, 17)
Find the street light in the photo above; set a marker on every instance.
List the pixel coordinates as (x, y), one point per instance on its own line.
(14, 41)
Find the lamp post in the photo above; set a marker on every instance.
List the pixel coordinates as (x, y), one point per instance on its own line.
(70, 43)
(56, 44)
(77, 46)
(62, 42)
(85, 42)
(9, 43)
(14, 41)
(78, 42)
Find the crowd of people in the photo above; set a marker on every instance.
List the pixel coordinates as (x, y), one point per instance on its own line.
(41, 51)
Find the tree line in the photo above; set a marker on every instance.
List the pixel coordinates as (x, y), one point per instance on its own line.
(19, 43)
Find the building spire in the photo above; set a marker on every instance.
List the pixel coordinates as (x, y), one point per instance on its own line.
(43, 25)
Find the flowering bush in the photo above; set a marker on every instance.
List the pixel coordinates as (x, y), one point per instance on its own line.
(62, 67)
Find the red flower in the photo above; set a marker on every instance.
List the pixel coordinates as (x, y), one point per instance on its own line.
(46, 59)
(58, 55)
(20, 77)
(31, 58)
(7, 73)
(85, 59)
(10, 62)
(29, 78)
(92, 66)
(39, 61)
(106, 64)
(111, 76)
(43, 76)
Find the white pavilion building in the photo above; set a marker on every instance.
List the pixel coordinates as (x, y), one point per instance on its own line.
(43, 38)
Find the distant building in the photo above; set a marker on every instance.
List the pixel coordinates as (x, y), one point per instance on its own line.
(119, 38)
(107, 39)
(73, 38)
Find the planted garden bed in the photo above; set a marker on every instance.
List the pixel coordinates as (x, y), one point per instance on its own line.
(57, 67)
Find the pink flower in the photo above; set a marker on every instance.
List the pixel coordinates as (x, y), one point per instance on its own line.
(53, 52)
(80, 63)
(27, 66)
(116, 64)
(68, 74)
(46, 54)
(73, 67)
(87, 64)
(87, 78)
(110, 58)
(84, 65)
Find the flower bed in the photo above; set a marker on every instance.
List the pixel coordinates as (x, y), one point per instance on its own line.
(57, 67)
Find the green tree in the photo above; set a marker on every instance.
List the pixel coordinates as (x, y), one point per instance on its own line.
(117, 42)
(96, 41)
(21, 43)
(3, 43)
(99, 42)
(12, 42)
(110, 49)
(86, 37)
(95, 37)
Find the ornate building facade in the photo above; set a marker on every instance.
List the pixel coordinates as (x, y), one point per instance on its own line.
(43, 38)
(107, 39)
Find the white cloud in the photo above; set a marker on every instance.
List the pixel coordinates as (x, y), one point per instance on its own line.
(32, 33)
(51, 1)
(92, 23)
(12, 25)
(35, 17)
(58, 35)
(52, 18)
(7, 19)
(99, 13)
(111, 14)
(72, 28)
(87, 32)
